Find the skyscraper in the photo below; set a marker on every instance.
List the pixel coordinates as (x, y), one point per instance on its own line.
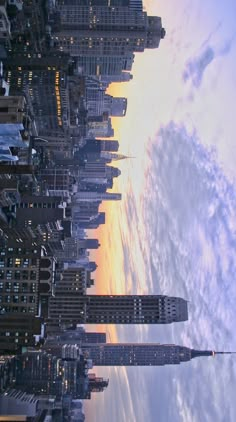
(44, 83)
(131, 354)
(104, 30)
(74, 308)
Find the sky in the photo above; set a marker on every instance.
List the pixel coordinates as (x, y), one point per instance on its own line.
(174, 232)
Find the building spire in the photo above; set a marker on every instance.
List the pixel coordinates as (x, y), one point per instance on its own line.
(114, 156)
(197, 353)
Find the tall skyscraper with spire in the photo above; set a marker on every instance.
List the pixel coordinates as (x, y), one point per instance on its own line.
(134, 354)
(121, 354)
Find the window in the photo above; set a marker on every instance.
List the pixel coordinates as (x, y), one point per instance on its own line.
(17, 262)
(9, 274)
(9, 262)
(25, 275)
(24, 287)
(23, 299)
(23, 309)
(17, 275)
(33, 287)
(25, 262)
(16, 287)
(33, 275)
(8, 287)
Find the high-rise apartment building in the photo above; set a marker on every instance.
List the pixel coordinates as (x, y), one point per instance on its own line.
(26, 280)
(43, 80)
(41, 209)
(102, 30)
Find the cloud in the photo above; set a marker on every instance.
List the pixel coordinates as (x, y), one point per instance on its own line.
(189, 208)
(197, 66)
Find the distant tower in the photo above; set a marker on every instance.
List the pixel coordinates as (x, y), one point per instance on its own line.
(96, 196)
(89, 243)
(116, 106)
(119, 106)
(77, 336)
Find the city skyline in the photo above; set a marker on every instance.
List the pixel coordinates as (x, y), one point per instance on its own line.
(173, 233)
(168, 98)
(54, 111)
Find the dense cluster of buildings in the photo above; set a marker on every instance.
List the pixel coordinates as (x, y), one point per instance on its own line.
(57, 60)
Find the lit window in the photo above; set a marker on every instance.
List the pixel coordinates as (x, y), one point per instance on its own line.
(17, 262)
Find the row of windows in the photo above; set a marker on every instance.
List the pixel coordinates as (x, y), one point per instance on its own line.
(18, 262)
(17, 299)
(17, 309)
(2, 340)
(21, 251)
(18, 275)
(18, 287)
(37, 205)
(13, 334)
